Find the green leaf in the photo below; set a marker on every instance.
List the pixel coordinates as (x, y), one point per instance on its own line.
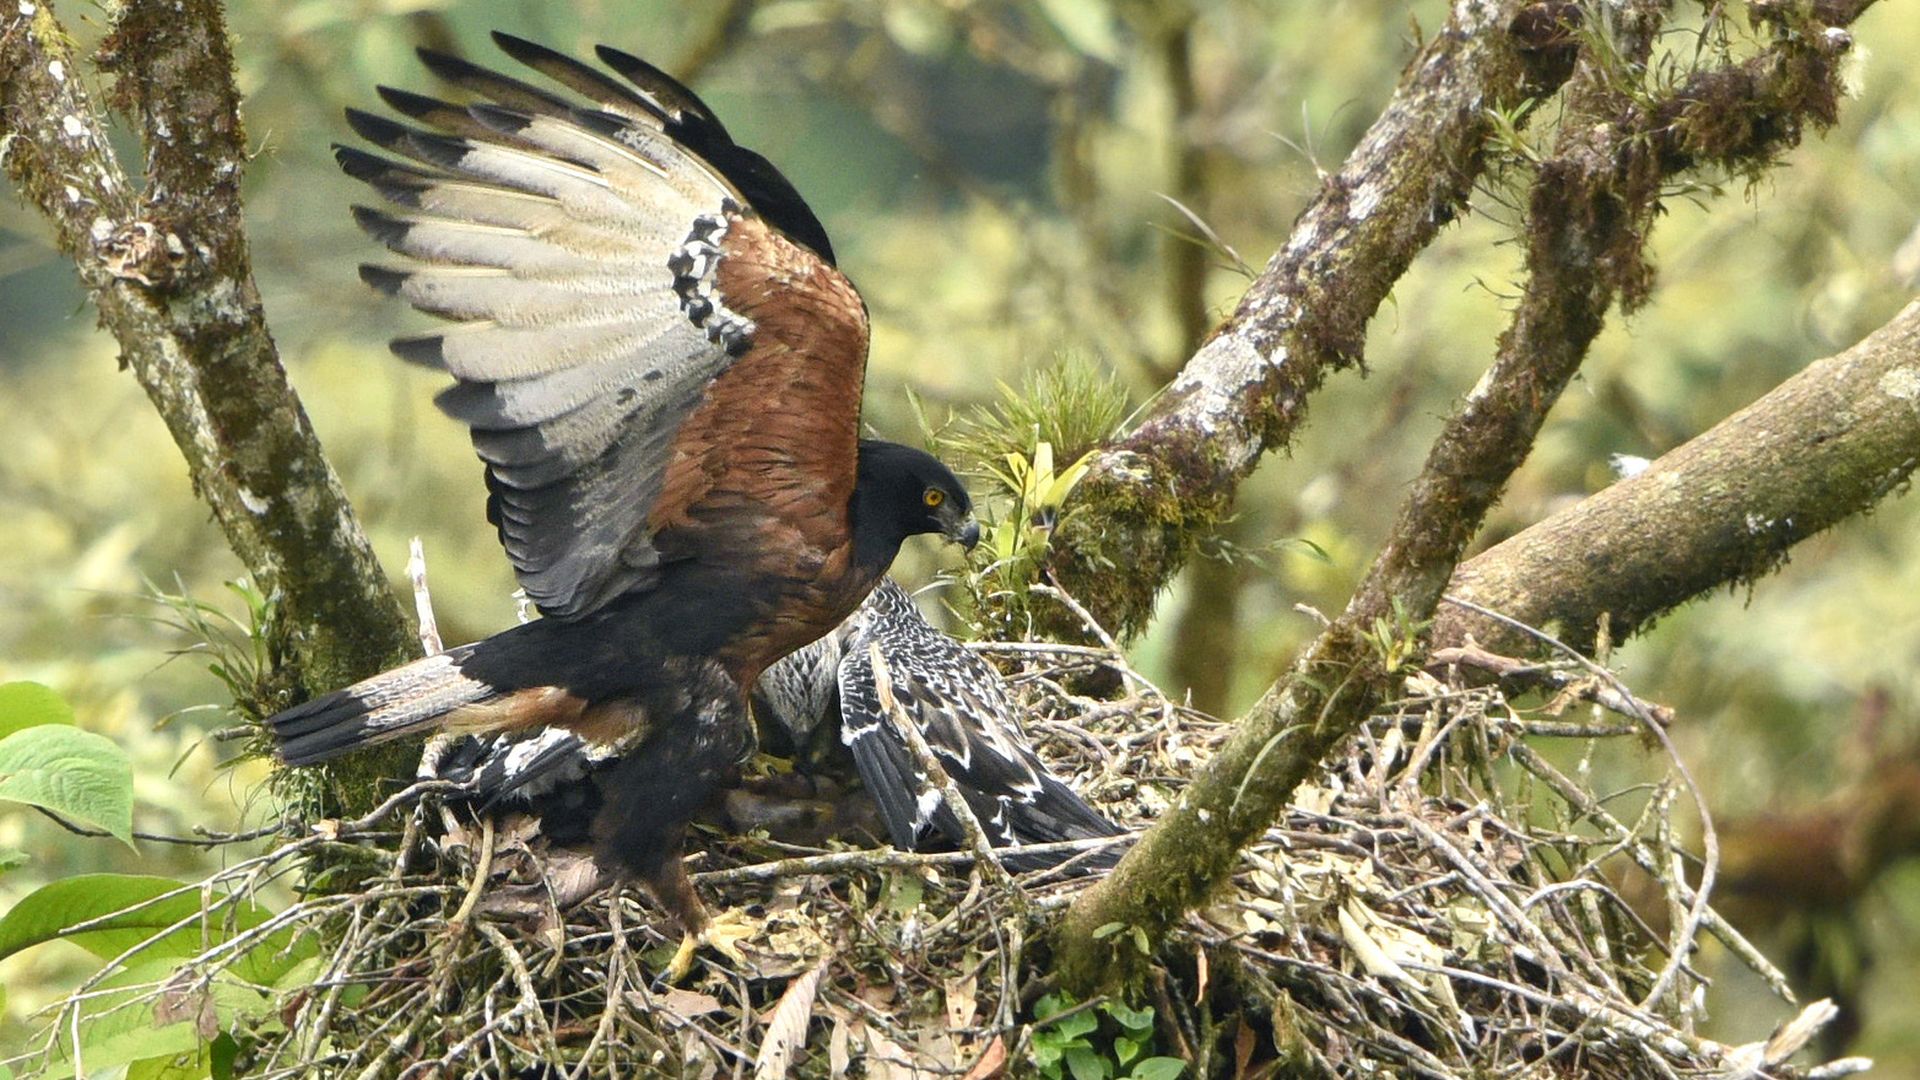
(1052, 1005)
(117, 1027)
(221, 1056)
(74, 773)
(1125, 1049)
(904, 893)
(1159, 1068)
(1107, 930)
(1134, 1020)
(29, 704)
(130, 914)
(1087, 1065)
(1080, 1023)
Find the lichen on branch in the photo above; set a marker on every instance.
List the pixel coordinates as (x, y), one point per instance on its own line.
(1153, 494)
(169, 272)
(1590, 207)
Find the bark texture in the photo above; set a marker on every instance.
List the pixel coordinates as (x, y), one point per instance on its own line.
(1590, 207)
(1723, 509)
(1151, 495)
(168, 268)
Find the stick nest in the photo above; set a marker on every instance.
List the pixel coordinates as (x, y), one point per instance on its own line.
(1449, 898)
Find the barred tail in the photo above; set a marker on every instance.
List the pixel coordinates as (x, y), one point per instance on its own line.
(397, 703)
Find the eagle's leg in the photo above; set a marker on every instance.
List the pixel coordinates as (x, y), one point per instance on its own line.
(723, 932)
(698, 736)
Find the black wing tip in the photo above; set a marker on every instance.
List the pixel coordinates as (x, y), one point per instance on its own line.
(385, 279)
(375, 128)
(448, 66)
(525, 51)
(500, 118)
(676, 105)
(426, 350)
(359, 164)
(380, 225)
(408, 103)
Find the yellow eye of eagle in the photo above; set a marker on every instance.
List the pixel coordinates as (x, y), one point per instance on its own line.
(934, 497)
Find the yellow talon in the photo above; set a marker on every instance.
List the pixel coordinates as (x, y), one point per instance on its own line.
(723, 933)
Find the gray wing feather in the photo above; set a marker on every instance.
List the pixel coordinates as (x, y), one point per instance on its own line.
(555, 231)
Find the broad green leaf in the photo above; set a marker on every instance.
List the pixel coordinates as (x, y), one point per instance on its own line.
(904, 893)
(158, 1032)
(117, 1027)
(190, 1066)
(1135, 1020)
(76, 774)
(1080, 1023)
(129, 915)
(1087, 1065)
(1159, 1068)
(221, 1056)
(29, 704)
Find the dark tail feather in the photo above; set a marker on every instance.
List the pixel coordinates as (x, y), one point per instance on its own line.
(1056, 814)
(388, 706)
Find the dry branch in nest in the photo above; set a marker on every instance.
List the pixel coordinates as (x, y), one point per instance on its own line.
(1449, 897)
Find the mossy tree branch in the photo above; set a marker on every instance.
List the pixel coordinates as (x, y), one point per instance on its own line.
(167, 266)
(1591, 204)
(1722, 509)
(1154, 493)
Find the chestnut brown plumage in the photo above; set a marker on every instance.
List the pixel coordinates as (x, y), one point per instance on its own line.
(661, 369)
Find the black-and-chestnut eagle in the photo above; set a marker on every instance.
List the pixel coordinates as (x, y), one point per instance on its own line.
(964, 708)
(661, 369)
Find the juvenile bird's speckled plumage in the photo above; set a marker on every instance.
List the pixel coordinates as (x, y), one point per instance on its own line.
(962, 706)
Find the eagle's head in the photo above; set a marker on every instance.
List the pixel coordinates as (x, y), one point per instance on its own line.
(903, 492)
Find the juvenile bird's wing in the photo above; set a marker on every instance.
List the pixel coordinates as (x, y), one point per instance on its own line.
(967, 714)
(647, 315)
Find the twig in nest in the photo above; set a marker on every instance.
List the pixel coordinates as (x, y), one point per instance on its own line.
(422, 599)
(1522, 674)
(1682, 938)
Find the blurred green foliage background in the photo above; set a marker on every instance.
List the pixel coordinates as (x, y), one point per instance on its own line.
(992, 174)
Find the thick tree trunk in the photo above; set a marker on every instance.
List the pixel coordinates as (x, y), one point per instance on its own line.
(168, 268)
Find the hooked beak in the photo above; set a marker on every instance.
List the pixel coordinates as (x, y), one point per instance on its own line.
(965, 532)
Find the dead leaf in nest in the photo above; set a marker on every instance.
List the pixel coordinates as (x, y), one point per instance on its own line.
(687, 1004)
(992, 1064)
(886, 1059)
(963, 1002)
(787, 1030)
(791, 951)
(838, 1054)
(1312, 798)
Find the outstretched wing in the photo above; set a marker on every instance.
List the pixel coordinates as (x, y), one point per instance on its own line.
(966, 712)
(648, 318)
